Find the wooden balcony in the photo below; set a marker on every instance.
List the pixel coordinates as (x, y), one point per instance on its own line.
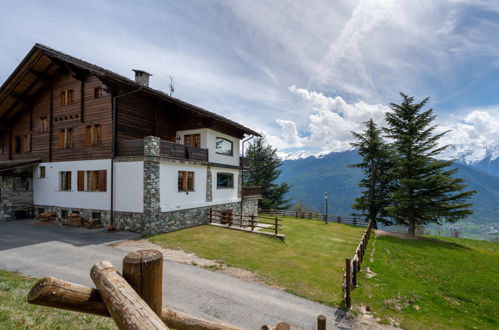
(243, 162)
(166, 149)
(255, 191)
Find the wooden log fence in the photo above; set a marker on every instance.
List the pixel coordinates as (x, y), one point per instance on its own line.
(355, 221)
(133, 301)
(252, 222)
(352, 266)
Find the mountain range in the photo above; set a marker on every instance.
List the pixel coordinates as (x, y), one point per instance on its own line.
(309, 177)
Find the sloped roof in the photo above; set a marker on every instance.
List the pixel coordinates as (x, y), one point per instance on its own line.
(43, 61)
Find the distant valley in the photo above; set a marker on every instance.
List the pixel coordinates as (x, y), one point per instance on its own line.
(310, 176)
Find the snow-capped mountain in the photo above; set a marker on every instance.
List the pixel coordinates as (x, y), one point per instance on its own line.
(481, 157)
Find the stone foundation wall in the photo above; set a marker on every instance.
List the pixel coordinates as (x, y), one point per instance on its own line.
(162, 223)
(12, 200)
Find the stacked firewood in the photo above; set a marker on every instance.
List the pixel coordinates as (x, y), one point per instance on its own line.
(47, 216)
(76, 220)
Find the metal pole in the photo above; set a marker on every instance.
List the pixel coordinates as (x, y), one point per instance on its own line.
(325, 197)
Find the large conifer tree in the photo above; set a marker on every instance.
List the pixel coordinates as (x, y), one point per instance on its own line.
(425, 190)
(375, 165)
(263, 171)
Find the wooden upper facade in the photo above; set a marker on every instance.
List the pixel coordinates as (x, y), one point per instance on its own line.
(55, 107)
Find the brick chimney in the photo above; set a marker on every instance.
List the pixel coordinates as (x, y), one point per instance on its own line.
(142, 77)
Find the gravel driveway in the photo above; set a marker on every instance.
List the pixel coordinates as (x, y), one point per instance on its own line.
(69, 253)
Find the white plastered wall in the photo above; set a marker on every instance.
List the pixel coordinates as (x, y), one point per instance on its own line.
(170, 198)
(213, 157)
(224, 195)
(46, 190)
(129, 186)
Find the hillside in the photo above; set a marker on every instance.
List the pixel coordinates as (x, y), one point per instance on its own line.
(309, 178)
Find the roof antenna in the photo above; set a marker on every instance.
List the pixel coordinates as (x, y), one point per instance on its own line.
(172, 88)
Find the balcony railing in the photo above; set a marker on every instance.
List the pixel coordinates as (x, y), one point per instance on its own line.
(166, 149)
(255, 191)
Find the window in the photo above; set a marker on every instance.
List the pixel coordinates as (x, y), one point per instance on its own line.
(223, 146)
(92, 135)
(43, 127)
(193, 140)
(97, 92)
(185, 181)
(21, 143)
(65, 181)
(67, 97)
(92, 180)
(225, 180)
(22, 183)
(66, 138)
(41, 172)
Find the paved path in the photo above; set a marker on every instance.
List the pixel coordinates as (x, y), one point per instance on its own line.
(69, 253)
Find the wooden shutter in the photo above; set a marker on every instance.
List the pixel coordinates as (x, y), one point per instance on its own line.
(28, 142)
(187, 140)
(69, 138)
(69, 97)
(61, 139)
(88, 136)
(102, 178)
(14, 144)
(63, 98)
(96, 135)
(185, 181)
(81, 181)
(68, 180)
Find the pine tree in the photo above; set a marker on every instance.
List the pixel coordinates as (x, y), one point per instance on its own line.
(426, 190)
(375, 165)
(263, 171)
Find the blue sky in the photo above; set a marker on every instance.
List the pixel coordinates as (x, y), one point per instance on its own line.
(302, 72)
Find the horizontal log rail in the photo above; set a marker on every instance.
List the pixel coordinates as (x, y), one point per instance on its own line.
(226, 217)
(352, 266)
(317, 216)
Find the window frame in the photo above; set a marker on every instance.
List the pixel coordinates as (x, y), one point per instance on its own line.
(231, 175)
(66, 97)
(231, 147)
(191, 139)
(93, 135)
(92, 180)
(64, 183)
(43, 125)
(66, 138)
(181, 181)
(42, 172)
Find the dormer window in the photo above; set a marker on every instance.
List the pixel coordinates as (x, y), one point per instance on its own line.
(223, 146)
(193, 140)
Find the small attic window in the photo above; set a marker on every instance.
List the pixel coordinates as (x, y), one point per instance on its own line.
(98, 92)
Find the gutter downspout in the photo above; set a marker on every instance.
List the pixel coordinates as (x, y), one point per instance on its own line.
(241, 170)
(113, 154)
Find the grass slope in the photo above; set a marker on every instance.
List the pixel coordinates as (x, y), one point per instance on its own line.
(309, 264)
(16, 313)
(433, 284)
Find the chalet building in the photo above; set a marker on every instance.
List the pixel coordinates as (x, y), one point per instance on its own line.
(75, 137)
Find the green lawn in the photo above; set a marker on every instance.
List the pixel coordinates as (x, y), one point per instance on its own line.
(309, 264)
(16, 313)
(424, 284)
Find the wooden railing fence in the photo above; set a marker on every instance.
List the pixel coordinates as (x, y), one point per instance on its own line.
(352, 266)
(246, 221)
(134, 300)
(317, 216)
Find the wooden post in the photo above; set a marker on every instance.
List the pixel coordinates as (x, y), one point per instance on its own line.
(354, 272)
(354, 221)
(321, 322)
(57, 293)
(348, 284)
(126, 307)
(211, 215)
(143, 270)
(252, 222)
(276, 225)
(296, 214)
(325, 219)
(338, 219)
